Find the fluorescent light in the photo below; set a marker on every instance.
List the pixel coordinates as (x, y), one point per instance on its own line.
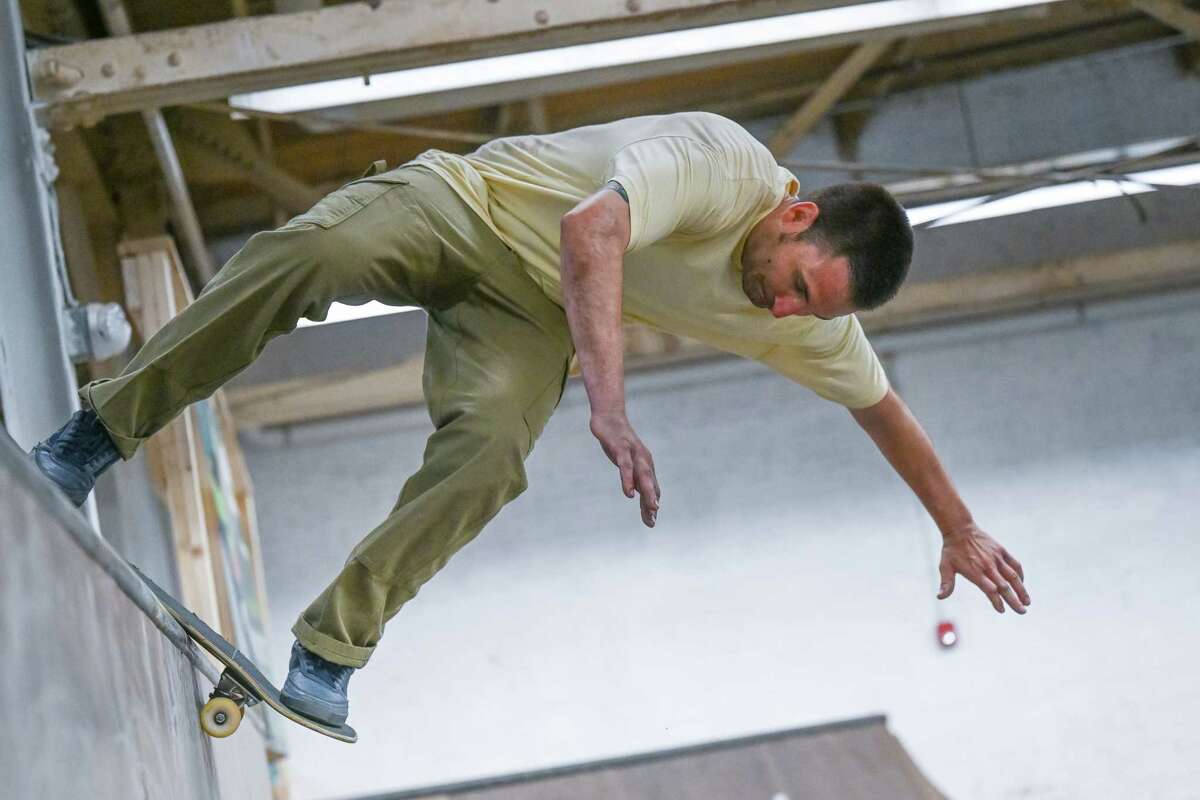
(974, 208)
(1183, 175)
(638, 49)
(340, 312)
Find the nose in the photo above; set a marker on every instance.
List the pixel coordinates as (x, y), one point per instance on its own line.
(785, 306)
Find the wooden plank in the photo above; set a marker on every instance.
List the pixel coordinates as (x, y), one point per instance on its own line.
(244, 497)
(835, 87)
(328, 395)
(1173, 13)
(151, 268)
(182, 297)
(1107, 275)
(1152, 269)
(218, 145)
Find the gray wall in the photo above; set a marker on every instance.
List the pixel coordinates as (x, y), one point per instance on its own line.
(99, 703)
(791, 577)
(37, 382)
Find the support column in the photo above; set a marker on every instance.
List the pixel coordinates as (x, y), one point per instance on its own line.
(37, 381)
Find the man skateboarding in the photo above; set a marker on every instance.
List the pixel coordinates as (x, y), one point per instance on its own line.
(524, 253)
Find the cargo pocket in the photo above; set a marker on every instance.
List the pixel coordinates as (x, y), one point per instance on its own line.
(347, 201)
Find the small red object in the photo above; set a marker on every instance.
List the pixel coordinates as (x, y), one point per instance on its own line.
(947, 634)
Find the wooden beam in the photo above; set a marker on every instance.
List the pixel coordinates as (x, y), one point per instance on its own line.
(341, 393)
(1173, 13)
(1109, 275)
(901, 54)
(332, 394)
(322, 124)
(81, 176)
(412, 131)
(539, 122)
(222, 142)
(849, 125)
(155, 294)
(85, 81)
(826, 97)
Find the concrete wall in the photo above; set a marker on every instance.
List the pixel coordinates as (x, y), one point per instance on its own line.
(791, 578)
(99, 703)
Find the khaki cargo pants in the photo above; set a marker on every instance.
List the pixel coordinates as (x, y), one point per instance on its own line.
(496, 359)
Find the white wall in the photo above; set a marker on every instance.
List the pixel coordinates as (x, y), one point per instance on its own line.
(790, 579)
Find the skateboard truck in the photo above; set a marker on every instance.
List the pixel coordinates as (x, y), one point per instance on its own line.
(223, 712)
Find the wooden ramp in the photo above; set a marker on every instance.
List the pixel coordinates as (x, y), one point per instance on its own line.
(853, 760)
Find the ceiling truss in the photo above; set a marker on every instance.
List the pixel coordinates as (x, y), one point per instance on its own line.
(84, 82)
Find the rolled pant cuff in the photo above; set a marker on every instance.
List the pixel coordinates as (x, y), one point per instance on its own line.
(329, 648)
(127, 446)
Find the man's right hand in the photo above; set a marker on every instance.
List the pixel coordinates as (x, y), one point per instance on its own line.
(632, 458)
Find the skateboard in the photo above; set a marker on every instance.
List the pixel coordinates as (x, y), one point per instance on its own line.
(241, 685)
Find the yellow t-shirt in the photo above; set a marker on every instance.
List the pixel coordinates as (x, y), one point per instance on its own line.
(697, 183)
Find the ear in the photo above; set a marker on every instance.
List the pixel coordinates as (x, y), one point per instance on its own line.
(799, 216)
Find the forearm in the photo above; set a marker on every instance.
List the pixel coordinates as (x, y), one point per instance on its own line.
(908, 449)
(591, 282)
(593, 240)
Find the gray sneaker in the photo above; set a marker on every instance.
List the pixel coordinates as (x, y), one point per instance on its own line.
(316, 688)
(76, 454)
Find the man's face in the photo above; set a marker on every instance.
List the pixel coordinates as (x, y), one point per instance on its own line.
(794, 278)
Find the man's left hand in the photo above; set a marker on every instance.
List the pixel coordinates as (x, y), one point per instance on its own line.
(980, 559)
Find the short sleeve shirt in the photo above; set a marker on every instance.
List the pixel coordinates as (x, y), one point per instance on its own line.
(697, 183)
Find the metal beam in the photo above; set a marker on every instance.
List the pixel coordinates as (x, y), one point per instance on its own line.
(1173, 13)
(116, 18)
(835, 87)
(37, 381)
(86, 81)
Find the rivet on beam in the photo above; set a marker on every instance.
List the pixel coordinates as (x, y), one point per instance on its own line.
(59, 74)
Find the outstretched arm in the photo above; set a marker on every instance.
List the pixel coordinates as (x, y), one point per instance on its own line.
(966, 550)
(594, 236)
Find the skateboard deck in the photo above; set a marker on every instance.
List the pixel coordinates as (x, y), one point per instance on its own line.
(242, 683)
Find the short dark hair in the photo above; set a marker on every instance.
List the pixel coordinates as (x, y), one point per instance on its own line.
(864, 223)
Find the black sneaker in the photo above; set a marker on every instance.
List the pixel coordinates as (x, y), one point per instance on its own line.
(316, 688)
(76, 454)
